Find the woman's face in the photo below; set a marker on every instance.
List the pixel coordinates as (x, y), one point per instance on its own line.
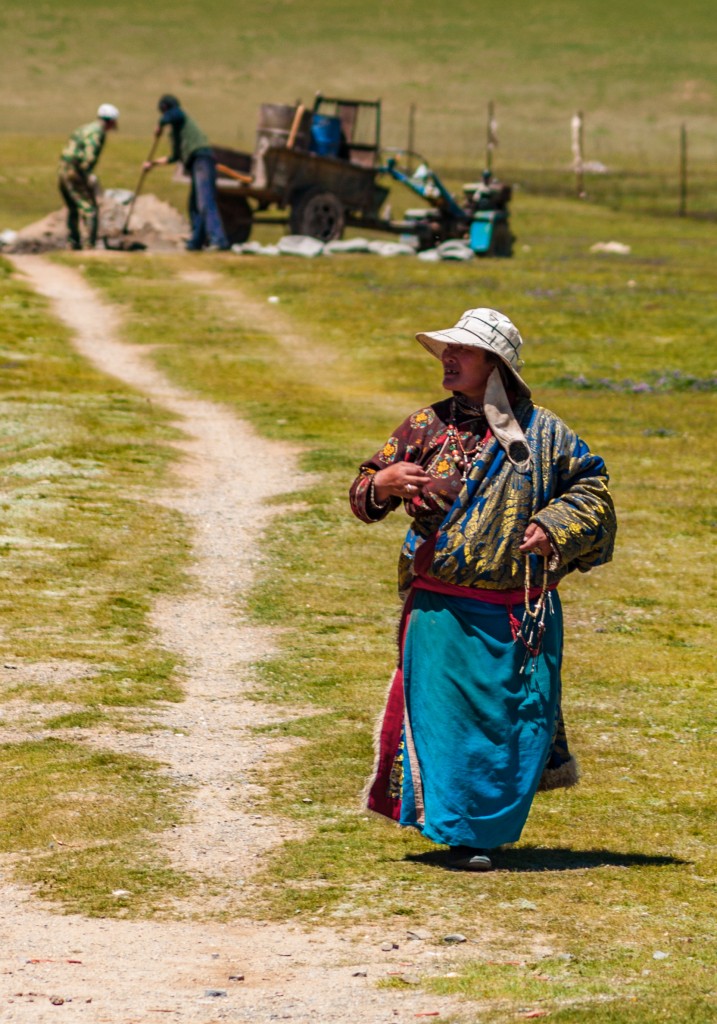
(466, 370)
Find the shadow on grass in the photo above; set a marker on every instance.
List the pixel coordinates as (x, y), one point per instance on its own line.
(532, 858)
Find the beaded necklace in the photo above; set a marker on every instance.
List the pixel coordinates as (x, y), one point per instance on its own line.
(465, 461)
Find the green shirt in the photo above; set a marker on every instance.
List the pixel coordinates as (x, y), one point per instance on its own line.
(187, 137)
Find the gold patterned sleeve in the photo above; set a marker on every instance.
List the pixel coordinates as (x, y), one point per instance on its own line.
(579, 515)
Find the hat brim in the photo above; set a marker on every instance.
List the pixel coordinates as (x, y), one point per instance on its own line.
(437, 341)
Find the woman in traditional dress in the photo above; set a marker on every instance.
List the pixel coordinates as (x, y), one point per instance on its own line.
(505, 501)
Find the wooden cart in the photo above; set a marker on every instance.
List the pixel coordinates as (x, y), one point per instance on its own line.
(313, 169)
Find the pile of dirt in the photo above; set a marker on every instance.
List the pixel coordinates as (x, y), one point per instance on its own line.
(154, 225)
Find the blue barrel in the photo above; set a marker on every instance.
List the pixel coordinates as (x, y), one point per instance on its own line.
(325, 135)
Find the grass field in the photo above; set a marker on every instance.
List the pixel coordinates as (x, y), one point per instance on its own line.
(637, 71)
(622, 868)
(616, 877)
(84, 549)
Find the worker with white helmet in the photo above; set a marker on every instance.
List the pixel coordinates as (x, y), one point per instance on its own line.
(75, 179)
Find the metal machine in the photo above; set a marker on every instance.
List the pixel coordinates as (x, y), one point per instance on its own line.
(481, 220)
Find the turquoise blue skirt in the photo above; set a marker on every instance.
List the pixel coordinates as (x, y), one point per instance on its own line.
(477, 729)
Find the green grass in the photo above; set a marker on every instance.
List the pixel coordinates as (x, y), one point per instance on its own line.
(623, 866)
(86, 841)
(617, 870)
(84, 551)
(637, 71)
(79, 554)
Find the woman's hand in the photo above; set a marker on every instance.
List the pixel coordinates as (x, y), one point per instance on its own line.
(401, 480)
(536, 541)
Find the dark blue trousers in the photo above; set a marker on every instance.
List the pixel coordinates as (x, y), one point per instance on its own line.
(207, 227)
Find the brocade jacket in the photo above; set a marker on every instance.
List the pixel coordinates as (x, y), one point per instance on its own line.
(479, 523)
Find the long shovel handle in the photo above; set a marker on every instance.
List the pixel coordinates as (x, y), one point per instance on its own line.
(142, 176)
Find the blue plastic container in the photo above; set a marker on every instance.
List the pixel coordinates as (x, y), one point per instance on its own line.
(481, 232)
(325, 135)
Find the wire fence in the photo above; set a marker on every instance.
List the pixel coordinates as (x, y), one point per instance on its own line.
(658, 167)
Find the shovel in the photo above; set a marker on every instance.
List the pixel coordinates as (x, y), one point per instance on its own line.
(122, 245)
(142, 176)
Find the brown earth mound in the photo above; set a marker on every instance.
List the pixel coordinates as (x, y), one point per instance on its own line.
(154, 225)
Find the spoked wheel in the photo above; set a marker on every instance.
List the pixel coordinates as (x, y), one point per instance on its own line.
(236, 214)
(319, 214)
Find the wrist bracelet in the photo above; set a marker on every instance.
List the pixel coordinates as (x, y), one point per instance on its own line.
(372, 496)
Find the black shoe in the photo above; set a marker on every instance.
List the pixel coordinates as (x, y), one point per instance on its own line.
(468, 858)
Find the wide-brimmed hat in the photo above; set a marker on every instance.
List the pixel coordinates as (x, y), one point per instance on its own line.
(487, 329)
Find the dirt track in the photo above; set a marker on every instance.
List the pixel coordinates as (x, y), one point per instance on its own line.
(150, 971)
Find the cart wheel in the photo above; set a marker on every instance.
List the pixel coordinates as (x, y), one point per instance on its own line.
(236, 214)
(317, 213)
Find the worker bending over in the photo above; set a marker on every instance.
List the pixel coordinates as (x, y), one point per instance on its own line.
(191, 146)
(75, 180)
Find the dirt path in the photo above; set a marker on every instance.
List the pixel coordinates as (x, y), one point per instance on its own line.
(147, 971)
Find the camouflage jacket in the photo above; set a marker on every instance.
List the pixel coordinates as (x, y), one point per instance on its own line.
(84, 147)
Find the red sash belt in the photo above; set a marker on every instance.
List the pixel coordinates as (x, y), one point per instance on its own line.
(506, 597)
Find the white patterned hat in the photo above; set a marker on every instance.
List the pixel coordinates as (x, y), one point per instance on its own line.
(482, 328)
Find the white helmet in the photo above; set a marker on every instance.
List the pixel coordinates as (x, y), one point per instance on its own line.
(108, 112)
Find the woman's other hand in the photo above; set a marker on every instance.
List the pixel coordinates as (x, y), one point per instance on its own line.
(401, 480)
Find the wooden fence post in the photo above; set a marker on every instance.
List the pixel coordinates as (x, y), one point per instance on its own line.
(683, 170)
(411, 136)
(576, 127)
(491, 139)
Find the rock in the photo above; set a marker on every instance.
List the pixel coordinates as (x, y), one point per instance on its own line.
(236, 977)
(454, 937)
(518, 905)
(215, 993)
(418, 935)
(617, 247)
(388, 946)
(119, 195)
